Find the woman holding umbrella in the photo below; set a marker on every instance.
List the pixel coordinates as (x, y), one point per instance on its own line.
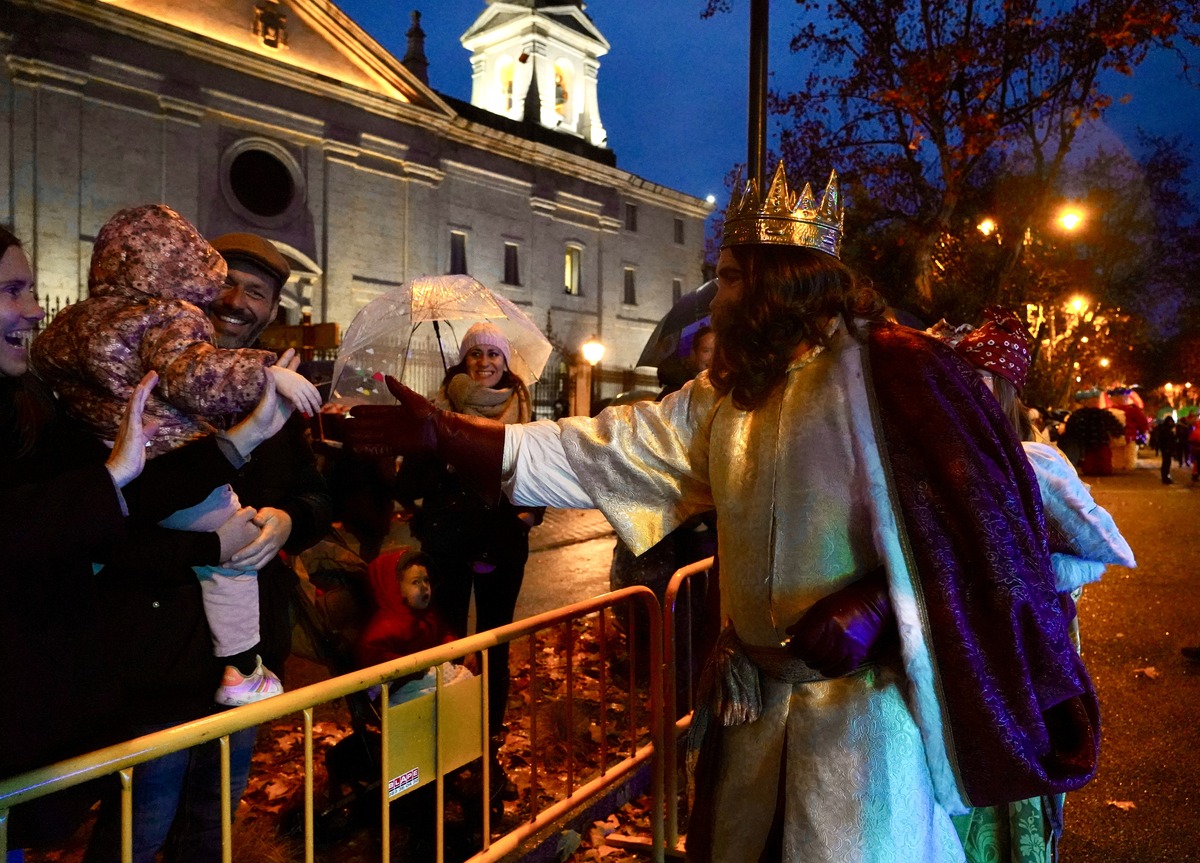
(478, 547)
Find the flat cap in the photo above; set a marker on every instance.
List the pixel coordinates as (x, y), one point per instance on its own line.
(253, 248)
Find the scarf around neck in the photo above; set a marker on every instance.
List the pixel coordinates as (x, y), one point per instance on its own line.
(508, 405)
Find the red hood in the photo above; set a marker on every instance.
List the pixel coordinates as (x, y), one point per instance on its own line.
(384, 584)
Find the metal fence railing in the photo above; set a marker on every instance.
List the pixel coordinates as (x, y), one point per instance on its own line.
(684, 648)
(592, 724)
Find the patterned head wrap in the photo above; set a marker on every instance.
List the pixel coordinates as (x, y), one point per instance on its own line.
(153, 250)
(1000, 346)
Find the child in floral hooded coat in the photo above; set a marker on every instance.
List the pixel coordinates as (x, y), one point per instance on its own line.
(151, 277)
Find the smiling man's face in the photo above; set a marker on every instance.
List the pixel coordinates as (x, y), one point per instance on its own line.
(243, 309)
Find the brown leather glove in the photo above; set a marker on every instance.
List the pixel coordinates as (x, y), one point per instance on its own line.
(473, 446)
(847, 628)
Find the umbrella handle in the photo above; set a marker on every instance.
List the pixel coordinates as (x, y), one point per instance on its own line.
(437, 331)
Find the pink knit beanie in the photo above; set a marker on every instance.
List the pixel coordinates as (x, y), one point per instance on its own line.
(484, 334)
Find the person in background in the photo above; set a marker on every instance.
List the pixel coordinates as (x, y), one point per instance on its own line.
(477, 548)
(1083, 539)
(677, 371)
(68, 503)
(876, 516)
(1164, 440)
(704, 347)
(162, 649)
(1183, 434)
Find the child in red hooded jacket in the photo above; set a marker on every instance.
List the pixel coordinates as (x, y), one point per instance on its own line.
(405, 621)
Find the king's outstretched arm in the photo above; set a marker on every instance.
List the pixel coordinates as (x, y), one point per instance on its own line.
(528, 458)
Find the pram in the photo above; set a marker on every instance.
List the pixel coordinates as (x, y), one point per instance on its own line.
(333, 605)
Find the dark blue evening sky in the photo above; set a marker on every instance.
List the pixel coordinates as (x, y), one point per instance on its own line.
(673, 86)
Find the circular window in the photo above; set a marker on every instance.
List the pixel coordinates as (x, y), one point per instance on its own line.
(262, 182)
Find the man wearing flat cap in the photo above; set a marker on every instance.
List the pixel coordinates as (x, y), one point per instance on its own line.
(179, 675)
(250, 300)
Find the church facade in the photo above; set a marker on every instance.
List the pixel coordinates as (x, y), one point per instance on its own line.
(284, 118)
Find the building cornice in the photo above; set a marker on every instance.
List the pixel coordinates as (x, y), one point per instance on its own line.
(442, 121)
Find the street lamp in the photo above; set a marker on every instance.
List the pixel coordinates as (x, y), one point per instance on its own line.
(987, 227)
(1077, 303)
(1070, 217)
(592, 351)
(1104, 363)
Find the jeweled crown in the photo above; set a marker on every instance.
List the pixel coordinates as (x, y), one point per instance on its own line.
(782, 218)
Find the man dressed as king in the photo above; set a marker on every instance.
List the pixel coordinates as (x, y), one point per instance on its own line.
(894, 651)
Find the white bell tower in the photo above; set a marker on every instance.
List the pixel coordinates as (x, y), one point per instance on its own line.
(538, 60)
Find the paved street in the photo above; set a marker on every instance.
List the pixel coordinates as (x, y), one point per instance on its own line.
(1142, 808)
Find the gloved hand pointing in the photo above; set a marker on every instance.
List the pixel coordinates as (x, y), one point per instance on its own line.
(473, 446)
(386, 430)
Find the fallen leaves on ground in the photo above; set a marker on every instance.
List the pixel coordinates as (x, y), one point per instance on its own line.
(552, 747)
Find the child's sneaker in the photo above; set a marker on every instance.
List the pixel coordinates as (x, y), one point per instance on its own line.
(238, 689)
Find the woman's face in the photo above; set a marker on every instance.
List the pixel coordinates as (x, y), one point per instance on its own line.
(19, 312)
(485, 365)
(729, 289)
(702, 350)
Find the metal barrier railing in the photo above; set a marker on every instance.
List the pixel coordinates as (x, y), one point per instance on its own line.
(680, 641)
(449, 742)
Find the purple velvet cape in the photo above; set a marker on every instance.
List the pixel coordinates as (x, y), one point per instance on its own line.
(1020, 712)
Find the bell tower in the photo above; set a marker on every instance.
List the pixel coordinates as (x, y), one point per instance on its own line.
(538, 59)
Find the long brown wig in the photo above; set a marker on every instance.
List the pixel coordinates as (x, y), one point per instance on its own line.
(788, 296)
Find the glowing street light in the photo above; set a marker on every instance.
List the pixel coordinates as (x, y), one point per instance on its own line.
(1077, 303)
(987, 227)
(593, 351)
(1070, 217)
(1104, 363)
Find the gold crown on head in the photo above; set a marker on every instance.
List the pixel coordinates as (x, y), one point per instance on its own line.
(782, 218)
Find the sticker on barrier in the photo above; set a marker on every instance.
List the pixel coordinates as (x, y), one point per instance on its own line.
(403, 782)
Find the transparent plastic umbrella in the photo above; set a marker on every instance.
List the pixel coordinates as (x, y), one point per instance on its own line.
(381, 340)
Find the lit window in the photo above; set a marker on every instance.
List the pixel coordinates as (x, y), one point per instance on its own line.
(562, 91)
(630, 287)
(573, 258)
(676, 290)
(458, 252)
(631, 217)
(512, 268)
(506, 83)
(679, 231)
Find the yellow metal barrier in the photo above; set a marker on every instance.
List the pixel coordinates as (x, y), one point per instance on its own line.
(418, 746)
(679, 640)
